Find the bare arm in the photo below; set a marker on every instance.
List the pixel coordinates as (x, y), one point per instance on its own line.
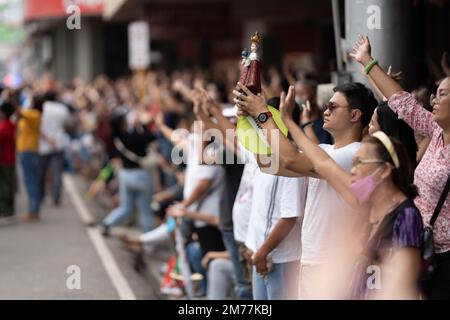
(212, 255)
(176, 138)
(198, 193)
(178, 211)
(386, 85)
(402, 103)
(276, 236)
(323, 164)
(291, 160)
(210, 219)
(401, 275)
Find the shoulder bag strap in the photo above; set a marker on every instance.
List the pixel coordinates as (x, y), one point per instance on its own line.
(440, 203)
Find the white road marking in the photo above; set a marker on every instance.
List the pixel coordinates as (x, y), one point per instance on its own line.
(109, 263)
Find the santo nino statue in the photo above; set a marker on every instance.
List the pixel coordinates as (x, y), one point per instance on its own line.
(251, 73)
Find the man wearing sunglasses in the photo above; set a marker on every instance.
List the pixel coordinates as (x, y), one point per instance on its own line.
(327, 217)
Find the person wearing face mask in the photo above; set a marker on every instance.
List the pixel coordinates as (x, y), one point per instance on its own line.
(380, 178)
(329, 223)
(433, 172)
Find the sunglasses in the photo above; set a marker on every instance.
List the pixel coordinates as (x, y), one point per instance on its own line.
(331, 106)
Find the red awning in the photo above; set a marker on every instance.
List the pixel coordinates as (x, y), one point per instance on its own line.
(39, 9)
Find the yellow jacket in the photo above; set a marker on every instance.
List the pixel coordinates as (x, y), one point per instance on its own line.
(29, 129)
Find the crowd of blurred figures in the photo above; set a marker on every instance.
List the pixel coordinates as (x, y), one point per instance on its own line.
(343, 217)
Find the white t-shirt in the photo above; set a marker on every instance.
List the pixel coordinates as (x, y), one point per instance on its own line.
(327, 215)
(194, 173)
(54, 117)
(274, 198)
(243, 203)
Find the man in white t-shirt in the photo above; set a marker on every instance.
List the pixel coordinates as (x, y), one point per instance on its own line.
(208, 179)
(267, 216)
(328, 219)
(274, 234)
(55, 118)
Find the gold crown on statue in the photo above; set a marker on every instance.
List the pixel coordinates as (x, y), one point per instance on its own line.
(256, 38)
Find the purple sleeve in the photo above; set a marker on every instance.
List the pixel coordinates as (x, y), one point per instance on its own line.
(408, 229)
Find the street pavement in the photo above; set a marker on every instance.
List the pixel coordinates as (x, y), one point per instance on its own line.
(36, 257)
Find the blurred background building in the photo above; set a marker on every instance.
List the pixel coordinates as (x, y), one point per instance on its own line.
(299, 35)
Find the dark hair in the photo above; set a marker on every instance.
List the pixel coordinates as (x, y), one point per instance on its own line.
(284, 84)
(423, 94)
(394, 127)
(403, 177)
(116, 121)
(7, 108)
(275, 102)
(50, 96)
(38, 102)
(359, 97)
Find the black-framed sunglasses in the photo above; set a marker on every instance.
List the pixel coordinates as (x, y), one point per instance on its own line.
(331, 106)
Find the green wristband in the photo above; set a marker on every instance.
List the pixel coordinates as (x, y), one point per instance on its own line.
(369, 67)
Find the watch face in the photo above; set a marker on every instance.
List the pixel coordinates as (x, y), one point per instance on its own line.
(263, 117)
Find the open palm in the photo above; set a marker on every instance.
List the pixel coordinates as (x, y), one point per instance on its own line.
(362, 50)
(287, 104)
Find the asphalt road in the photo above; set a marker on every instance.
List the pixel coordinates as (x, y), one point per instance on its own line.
(36, 257)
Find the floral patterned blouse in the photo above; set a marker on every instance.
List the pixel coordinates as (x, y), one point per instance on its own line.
(432, 172)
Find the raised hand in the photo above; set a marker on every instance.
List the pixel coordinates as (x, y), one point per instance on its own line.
(287, 104)
(396, 76)
(362, 51)
(209, 104)
(197, 100)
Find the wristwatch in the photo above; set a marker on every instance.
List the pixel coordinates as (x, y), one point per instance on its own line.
(263, 117)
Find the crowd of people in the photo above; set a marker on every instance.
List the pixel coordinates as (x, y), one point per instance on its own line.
(347, 213)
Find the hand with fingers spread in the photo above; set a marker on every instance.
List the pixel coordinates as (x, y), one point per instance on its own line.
(362, 51)
(287, 105)
(396, 76)
(209, 104)
(248, 102)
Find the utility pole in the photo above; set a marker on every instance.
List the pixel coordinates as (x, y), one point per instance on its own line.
(389, 26)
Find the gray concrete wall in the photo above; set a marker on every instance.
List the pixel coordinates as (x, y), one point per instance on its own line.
(388, 25)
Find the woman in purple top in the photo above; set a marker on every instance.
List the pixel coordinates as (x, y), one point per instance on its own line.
(400, 229)
(380, 180)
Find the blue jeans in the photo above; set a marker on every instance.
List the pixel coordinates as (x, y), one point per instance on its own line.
(280, 284)
(135, 188)
(55, 161)
(195, 256)
(242, 288)
(29, 161)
